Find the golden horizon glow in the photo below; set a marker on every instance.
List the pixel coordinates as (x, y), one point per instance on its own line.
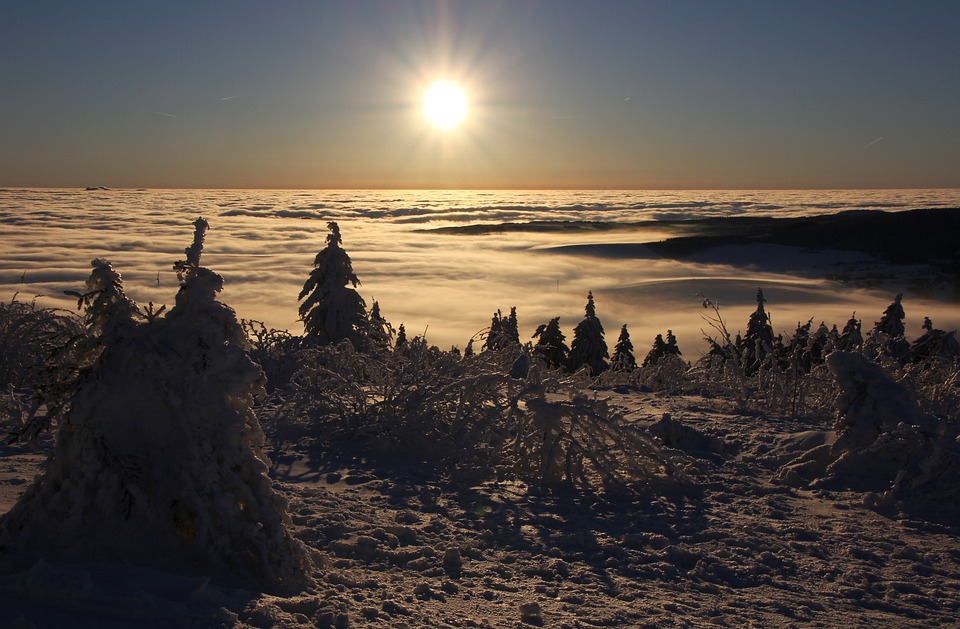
(445, 104)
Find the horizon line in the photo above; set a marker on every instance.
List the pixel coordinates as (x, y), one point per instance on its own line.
(472, 189)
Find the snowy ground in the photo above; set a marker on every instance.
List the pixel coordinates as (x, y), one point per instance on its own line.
(397, 544)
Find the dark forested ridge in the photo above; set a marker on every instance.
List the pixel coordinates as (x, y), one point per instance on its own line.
(912, 236)
(915, 236)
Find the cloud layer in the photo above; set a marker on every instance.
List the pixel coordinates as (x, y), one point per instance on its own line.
(263, 244)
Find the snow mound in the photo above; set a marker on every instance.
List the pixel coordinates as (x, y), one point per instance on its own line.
(885, 445)
(158, 462)
(675, 434)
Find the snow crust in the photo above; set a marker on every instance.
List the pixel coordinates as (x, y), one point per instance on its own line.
(395, 545)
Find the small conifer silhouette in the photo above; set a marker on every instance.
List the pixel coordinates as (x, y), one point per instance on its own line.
(623, 358)
(588, 347)
(332, 310)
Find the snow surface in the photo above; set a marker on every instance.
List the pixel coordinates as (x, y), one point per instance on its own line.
(396, 545)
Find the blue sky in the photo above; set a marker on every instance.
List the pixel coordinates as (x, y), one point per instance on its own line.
(573, 94)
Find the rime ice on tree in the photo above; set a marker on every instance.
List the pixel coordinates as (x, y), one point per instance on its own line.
(158, 461)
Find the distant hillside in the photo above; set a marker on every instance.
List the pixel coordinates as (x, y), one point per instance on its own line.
(911, 236)
(915, 236)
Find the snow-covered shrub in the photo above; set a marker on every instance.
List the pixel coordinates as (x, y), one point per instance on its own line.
(721, 370)
(581, 442)
(669, 374)
(402, 400)
(787, 379)
(274, 350)
(29, 334)
(887, 445)
(158, 459)
(477, 415)
(935, 385)
(108, 316)
(33, 361)
(935, 345)
(870, 401)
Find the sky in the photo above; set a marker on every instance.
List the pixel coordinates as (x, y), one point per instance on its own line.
(630, 94)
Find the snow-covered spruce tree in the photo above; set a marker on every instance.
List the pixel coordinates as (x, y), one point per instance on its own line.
(495, 336)
(551, 344)
(158, 461)
(886, 339)
(851, 337)
(757, 343)
(588, 347)
(658, 351)
(934, 344)
(822, 342)
(401, 341)
(663, 369)
(511, 328)
(794, 352)
(623, 358)
(673, 349)
(891, 323)
(504, 331)
(381, 332)
(332, 310)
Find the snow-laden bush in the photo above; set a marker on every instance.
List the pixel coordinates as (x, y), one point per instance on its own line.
(274, 350)
(29, 334)
(886, 445)
(669, 375)
(32, 364)
(470, 415)
(158, 459)
(935, 385)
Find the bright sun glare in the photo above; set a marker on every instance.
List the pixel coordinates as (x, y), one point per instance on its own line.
(444, 104)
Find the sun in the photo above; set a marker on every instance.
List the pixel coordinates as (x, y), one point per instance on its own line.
(445, 104)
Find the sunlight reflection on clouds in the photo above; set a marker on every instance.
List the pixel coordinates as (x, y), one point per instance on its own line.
(263, 243)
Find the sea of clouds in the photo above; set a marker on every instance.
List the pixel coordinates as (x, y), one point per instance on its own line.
(263, 243)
